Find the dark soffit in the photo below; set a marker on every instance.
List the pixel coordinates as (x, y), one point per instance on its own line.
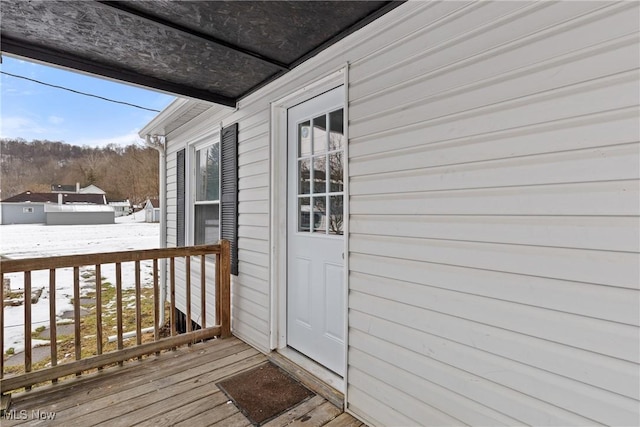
(218, 51)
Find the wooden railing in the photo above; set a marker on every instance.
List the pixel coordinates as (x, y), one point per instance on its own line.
(157, 343)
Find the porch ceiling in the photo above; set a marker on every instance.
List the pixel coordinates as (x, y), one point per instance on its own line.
(218, 51)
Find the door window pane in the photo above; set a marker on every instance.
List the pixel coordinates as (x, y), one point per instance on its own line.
(207, 224)
(319, 214)
(304, 213)
(320, 134)
(304, 176)
(320, 174)
(336, 130)
(208, 173)
(304, 139)
(336, 215)
(336, 172)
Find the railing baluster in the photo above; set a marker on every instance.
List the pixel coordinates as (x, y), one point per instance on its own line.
(99, 308)
(27, 321)
(156, 302)
(119, 305)
(76, 313)
(172, 284)
(2, 327)
(187, 267)
(53, 326)
(203, 291)
(138, 306)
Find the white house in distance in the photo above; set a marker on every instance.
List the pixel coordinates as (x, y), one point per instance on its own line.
(152, 210)
(58, 207)
(437, 215)
(121, 208)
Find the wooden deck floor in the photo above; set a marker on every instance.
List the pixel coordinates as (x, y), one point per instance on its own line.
(174, 389)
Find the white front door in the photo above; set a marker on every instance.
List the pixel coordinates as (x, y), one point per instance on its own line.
(315, 241)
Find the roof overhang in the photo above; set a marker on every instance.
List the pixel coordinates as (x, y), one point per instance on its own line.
(217, 51)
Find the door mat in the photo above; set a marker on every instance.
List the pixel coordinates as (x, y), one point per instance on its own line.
(264, 392)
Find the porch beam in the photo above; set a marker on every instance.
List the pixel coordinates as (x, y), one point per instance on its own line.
(47, 55)
(163, 23)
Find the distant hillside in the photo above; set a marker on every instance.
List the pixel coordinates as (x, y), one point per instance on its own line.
(129, 172)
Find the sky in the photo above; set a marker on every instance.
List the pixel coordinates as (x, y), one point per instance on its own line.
(31, 111)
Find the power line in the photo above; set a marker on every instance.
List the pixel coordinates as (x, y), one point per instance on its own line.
(79, 93)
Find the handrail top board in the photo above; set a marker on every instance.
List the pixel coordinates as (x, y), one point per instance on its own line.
(65, 261)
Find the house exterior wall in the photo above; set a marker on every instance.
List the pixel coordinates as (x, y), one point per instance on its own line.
(494, 217)
(151, 214)
(199, 129)
(14, 213)
(75, 218)
(493, 178)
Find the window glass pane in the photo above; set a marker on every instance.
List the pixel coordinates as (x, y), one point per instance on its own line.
(207, 224)
(336, 214)
(336, 172)
(320, 134)
(304, 176)
(320, 174)
(336, 131)
(319, 212)
(304, 212)
(304, 139)
(208, 173)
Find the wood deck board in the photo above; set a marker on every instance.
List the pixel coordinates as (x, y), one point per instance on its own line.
(100, 383)
(296, 412)
(210, 414)
(317, 417)
(236, 420)
(129, 400)
(95, 394)
(174, 388)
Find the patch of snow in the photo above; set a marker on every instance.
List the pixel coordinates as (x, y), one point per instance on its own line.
(35, 241)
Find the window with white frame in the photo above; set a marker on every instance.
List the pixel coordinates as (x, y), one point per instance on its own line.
(207, 195)
(206, 203)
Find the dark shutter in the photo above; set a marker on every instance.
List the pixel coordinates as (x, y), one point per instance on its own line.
(180, 177)
(229, 194)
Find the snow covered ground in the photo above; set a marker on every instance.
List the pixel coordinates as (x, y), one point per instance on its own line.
(36, 240)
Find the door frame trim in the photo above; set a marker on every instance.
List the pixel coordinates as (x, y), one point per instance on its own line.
(278, 212)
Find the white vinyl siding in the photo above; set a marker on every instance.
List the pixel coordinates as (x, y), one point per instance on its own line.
(494, 164)
(250, 290)
(493, 199)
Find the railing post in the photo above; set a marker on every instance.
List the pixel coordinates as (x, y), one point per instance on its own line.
(224, 277)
